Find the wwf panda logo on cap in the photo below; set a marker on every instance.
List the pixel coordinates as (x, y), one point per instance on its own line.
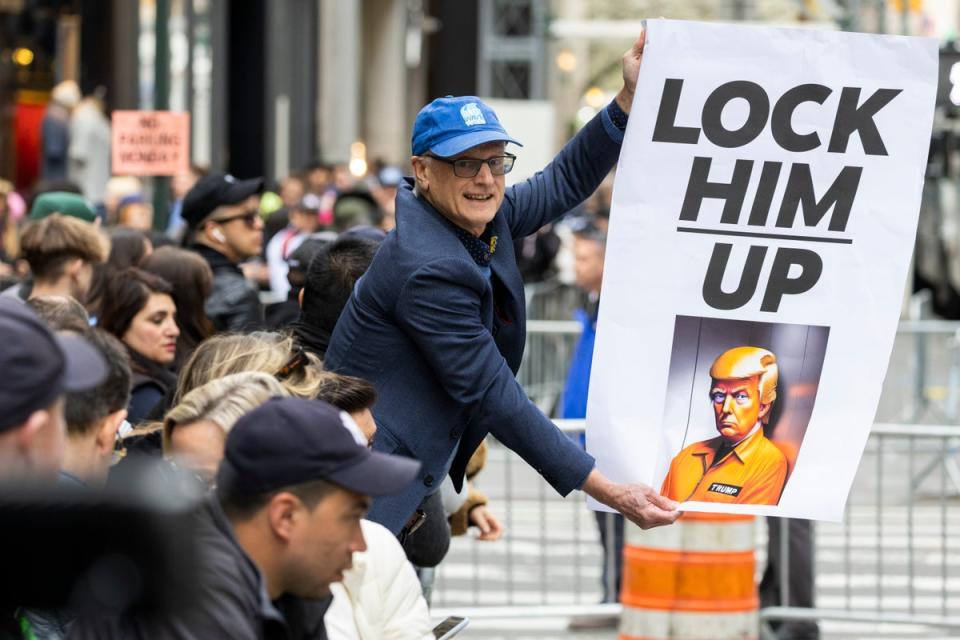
(471, 114)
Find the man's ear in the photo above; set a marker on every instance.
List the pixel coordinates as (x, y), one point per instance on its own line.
(283, 511)
(420, 173)
(210, 231)
(73, 268)
(107, 432)
(213, 232)
(27, 432)
(764, 410)
(300, 298)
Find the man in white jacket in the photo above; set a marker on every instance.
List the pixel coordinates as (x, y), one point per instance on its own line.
(380, 596)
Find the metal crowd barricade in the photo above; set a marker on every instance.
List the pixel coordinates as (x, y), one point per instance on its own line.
(895, 559)
(550, 345)
(549, 562)
(891, 561)
(551, 338)
(551, 300)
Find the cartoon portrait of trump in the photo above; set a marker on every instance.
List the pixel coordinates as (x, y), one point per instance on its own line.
(740, 465)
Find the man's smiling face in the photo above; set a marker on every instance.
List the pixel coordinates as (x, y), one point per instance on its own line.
(470, 203)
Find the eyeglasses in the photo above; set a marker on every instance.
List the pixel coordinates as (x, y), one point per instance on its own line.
(469, 167)
(192, 477)
(249, 219)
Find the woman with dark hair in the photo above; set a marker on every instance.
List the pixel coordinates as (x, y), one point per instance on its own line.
(128, 248)
(192, 281)
(139, 310)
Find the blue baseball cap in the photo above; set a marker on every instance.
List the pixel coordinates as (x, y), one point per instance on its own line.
(448, 126)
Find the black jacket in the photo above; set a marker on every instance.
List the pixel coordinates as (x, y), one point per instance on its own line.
(152, 383)
(232, 600)
(234, 304)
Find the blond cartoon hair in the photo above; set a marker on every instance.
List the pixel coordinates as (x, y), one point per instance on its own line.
(746, 362)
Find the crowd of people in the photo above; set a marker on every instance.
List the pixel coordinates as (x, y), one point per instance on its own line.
(320, 363)
(177, 347)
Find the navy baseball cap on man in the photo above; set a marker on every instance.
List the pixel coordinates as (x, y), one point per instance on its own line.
(38, 366)
(216, 190)
(291, 441)
(448, 126)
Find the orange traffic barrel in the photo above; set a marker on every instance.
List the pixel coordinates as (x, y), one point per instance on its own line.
(692, 580)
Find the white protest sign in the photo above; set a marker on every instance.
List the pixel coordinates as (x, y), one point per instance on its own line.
(763, 219)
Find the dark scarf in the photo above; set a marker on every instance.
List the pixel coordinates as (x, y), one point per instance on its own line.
(143, 369)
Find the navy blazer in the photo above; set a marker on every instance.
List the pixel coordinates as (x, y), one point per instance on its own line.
(421, 327)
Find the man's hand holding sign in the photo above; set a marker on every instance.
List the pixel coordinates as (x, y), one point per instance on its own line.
(765, 208)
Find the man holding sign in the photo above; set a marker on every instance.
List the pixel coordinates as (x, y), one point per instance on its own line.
(437, 323)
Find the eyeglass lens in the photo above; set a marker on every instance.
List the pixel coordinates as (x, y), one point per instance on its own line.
(249, 218)
(469, 167)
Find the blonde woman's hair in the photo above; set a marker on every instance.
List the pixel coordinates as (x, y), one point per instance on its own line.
(222, 401)
(262, 351)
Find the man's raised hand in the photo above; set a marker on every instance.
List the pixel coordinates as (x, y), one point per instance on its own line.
(631, 71)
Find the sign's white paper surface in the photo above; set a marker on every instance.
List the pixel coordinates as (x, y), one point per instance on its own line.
(807, 149)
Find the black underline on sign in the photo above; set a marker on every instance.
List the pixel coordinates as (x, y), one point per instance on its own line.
(769, 236)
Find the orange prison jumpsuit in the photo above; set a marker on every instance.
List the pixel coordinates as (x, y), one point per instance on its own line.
(754, 472)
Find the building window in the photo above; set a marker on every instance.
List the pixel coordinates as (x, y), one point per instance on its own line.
(511, 79)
